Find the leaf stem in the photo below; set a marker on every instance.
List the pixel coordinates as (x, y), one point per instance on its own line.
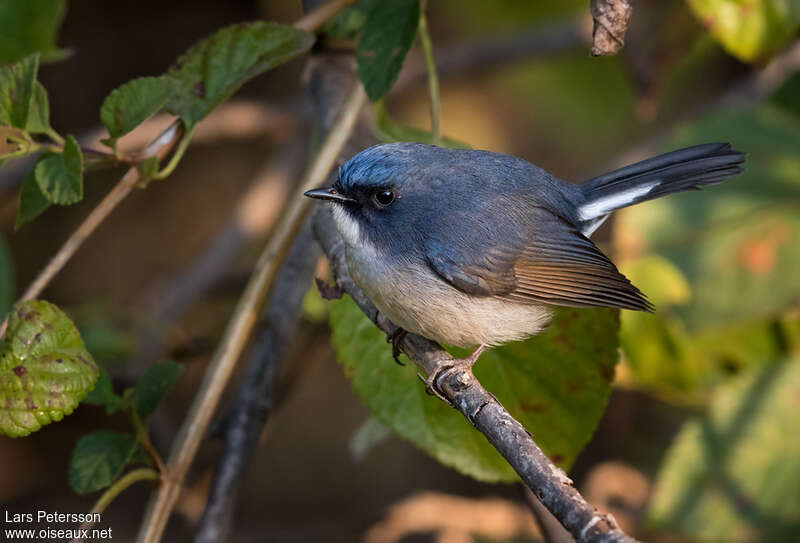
(144, 440)
(433, 79)
(141, 474)
(176, 156)
(55, 136)
(244, 320)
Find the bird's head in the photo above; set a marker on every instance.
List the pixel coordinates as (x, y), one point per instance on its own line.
(380, 189)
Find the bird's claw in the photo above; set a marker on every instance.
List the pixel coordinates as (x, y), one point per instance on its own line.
(443, 369)
(396, 338)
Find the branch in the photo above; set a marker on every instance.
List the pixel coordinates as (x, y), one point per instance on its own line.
(242, 323)
(256, 399)
(548, 482)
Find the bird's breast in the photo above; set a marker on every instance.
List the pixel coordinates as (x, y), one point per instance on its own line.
(413, 297)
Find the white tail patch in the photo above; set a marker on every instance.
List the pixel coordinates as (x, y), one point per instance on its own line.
(594, 225)
(607, 204)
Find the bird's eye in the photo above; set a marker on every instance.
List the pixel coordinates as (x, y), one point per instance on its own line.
(384, 197)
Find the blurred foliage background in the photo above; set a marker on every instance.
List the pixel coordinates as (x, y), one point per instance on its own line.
(699, 440)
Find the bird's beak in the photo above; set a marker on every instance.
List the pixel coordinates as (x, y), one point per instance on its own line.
(328, 194)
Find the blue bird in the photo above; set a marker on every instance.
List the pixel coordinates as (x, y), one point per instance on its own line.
(474, 248)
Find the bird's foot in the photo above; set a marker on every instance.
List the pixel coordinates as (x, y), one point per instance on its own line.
(328, 291)
(396, 337)
(446, 368)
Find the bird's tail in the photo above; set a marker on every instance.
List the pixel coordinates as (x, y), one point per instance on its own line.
(685, 169)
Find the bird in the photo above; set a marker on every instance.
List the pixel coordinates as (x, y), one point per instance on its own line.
(474, 248)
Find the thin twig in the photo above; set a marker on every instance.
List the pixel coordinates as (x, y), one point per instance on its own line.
(548, 482)
(433, 80)
(141, 474)
(159, 148)
(242, 323)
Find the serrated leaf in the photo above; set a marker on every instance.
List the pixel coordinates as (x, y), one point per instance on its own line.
(32, 202)
(127, 106)
(734, 475)
(391, 131)
(6, 279)
(98, 460)
(60, 176)
(39, 111)
(212, 70)
(29, 26)
(45, 370)
(154, 385)
(103, 393)
(386, 38)
(17, 82)
(556, 384)
(749, 30)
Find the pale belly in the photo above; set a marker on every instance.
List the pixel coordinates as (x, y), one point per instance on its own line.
(416, 299)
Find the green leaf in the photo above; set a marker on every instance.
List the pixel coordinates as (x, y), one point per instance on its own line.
(98, 460)
(750, 30)
(6, 279)
(212, 70)
(45, 370)
(32, 202)
(17, 82)
(388, 33)
(556, 384)
(103, 393)
(39, 111)
(29, 26)
(156, 383)
(390, 131)
(60, 176)
(734, 475)
(126, 107)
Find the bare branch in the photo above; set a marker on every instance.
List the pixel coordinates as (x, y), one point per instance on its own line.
(242, 323)
(611, 19)
(256, 399)
(548, 482)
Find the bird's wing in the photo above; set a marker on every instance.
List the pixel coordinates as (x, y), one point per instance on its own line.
(551, 263)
